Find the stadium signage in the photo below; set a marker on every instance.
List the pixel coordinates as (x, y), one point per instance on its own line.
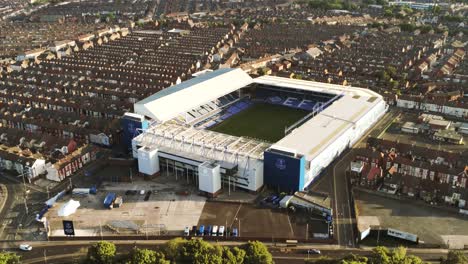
(280, 164)
(68, 228)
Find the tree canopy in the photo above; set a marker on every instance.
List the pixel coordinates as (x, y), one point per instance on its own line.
(380, 255)
(199, 251)
(102, 252)
(147, 256)
(455, 257)
(9, 258)
(257, 253)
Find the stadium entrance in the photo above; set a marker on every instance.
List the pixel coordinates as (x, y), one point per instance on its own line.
(185, 171)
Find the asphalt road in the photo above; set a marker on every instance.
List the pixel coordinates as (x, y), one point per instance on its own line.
(7, 205)
(15, 221)
(66, 252)
(342, 200)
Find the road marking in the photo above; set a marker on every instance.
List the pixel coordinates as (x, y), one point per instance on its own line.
(235, 215)
(291, 228)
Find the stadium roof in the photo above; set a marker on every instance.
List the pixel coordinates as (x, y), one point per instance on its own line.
(190, 94)
(326, 127)
(315, 86)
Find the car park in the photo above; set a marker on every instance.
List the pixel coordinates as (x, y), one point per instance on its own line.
(25, 247)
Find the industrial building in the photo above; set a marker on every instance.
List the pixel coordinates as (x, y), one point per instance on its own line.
(177, 138)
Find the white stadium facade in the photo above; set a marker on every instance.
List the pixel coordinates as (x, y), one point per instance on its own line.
(178, 140)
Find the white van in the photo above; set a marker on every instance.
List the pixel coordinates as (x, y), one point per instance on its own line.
(221, 231)
(214, 232)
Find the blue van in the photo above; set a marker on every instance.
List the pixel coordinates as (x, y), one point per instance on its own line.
(272, 198)
(276, 200)
(201, 231)
(208, 230)
(234, 232)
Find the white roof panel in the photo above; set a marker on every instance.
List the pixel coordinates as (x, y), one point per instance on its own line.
(319, 132)
(192, 93)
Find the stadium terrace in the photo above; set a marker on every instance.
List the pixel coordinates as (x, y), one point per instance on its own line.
(224, 129)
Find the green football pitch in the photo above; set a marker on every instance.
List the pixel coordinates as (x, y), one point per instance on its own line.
(261, 121)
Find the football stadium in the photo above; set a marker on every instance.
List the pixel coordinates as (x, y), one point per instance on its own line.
(224, 129)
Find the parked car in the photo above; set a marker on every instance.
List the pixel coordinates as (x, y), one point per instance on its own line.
(208, 231)
(234, 232)
(221, 231)
(194, 230)
(25, 247)
(214, 232)
(147, 196)
(201, 231)
(186, 231)
(228, 231)
(313, 251)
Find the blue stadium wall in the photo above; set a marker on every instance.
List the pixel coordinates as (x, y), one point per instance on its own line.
(130, 127)
(283, 172)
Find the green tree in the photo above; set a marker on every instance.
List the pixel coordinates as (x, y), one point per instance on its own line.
(426, 28)
(388, 13)
(298, 76)
(233, 256)
(392, 71)
(322, 260)
(394, 84)
(407, 27)
(398, 255)
(455, 257)
(147, 256)
(9, 258)
(257, 253)
(354, 259)
(172, 248)
(200, 252)
(102, 252)
(383, 75)
(380, 255)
